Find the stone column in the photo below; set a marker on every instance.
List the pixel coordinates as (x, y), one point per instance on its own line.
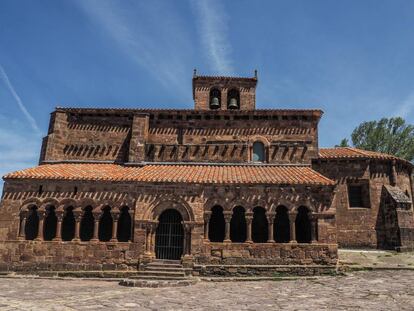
(249, 219)
(148, 229)
(270, 222)
(292, 219)
(207, 216)
(95, 237)
(21, 235)
(78, 217)
(187, 238)
(115, 218)
(40, 228)
(314, 223)
(154, 226)
(227, 219)
(131, 214)
(59, 216)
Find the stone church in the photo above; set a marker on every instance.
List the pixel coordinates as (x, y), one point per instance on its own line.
(220, 187)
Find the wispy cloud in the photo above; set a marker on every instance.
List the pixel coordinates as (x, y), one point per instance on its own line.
(213, 29)
(4, 77)
(406, 108)
(159, 47)
(19, 146)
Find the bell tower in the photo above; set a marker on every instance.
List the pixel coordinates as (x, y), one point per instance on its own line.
(224, 93)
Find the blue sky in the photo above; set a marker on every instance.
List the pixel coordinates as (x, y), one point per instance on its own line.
(353, 59)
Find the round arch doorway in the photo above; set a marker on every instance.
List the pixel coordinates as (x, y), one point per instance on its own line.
(169, 236)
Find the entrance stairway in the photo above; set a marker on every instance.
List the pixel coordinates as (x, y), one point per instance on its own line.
(160, 273)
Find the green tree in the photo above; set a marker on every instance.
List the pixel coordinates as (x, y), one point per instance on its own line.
(344, 143)
(392, 136)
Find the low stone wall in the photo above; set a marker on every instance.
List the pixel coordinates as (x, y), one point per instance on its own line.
(60, 256)
(268, 254)
(261, 270)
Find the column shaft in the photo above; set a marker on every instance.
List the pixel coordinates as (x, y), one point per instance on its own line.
(270, 224)
(95, 228)
(77, 226)
(58, 236)
(314, 224)
(227, 219)
(22, 227)
(249, 220)
(40, 228)
(292, 220)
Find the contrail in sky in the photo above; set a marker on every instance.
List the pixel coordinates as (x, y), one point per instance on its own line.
(5, 78)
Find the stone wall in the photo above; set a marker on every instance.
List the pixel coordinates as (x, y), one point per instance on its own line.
(180, 136)
(358, 226)
(59, 256)
(147, 202)
(268, 253)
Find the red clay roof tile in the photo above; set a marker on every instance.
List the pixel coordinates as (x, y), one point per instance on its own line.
(352, 153)
(176, 173)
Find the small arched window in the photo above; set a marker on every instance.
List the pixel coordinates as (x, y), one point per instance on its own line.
(233, 99)
(258, 152)
(215, 99)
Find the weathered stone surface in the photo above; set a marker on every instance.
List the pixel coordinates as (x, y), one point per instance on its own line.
(382, 290)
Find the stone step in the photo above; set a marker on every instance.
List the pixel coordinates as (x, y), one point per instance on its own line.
(156, 283)
(167, 261)
(158, 265)
(158, 277)
(163, 268)
(161, 273)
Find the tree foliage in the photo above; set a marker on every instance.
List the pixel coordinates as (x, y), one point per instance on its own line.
(392, 136)
(344, 143)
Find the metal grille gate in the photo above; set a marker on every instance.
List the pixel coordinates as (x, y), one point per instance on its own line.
(169, 237)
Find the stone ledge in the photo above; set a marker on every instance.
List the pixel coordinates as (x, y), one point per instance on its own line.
(273, 271)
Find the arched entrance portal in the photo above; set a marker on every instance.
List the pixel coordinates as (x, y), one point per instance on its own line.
(169, 237)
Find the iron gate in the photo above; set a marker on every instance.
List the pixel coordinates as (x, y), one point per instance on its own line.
(169, 237)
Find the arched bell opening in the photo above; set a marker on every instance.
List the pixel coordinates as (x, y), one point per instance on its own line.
(31, 228)
(238, 230)
(215, 99)
(281, 227)
(216, 225)
(233, 99)
(124, 225)
(303, 225)
(105, 225)
(68, 224)
(50, 223)
(259, 225)
(169, 236)
(87, 224)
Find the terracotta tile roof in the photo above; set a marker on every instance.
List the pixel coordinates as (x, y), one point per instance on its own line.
(176, 173)
(166, 110)
(353, 153)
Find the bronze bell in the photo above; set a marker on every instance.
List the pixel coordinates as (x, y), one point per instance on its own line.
(214, 103)
(233, 103)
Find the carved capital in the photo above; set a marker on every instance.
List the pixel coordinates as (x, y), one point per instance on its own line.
(115, 216)
(207, 216)
(188, 225)
(59, 215)
(41, 215)
(292, 216)
(96, 216)
(227, 215)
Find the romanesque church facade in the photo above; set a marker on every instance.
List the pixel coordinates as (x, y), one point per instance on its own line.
(223, 184)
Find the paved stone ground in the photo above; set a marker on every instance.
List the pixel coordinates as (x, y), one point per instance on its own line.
(365, 290)
(376, 259)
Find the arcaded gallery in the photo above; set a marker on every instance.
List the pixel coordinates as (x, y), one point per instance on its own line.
(219, 189)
